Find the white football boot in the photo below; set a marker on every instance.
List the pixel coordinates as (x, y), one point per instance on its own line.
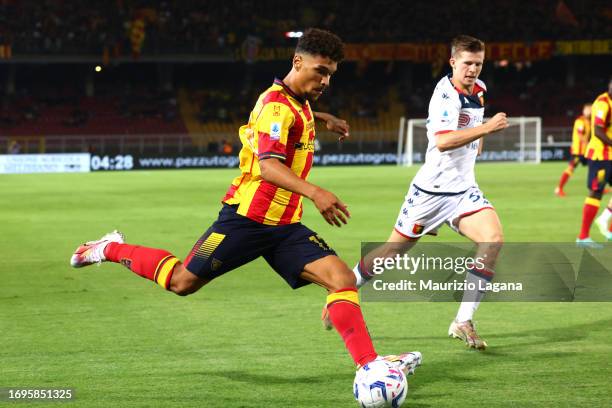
(406, 362)
(466, 331)
(92, 252)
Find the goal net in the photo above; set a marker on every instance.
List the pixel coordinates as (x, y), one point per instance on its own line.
(520, 142)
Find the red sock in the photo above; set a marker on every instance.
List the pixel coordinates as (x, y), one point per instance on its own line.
(589, 211)
(150, 263)
(564, 177)
(345, 314)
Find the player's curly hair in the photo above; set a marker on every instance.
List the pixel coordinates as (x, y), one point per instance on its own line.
(466, 43)
(315, 41)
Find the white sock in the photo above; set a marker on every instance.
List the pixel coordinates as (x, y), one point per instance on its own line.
(359, 279)
(605, 216)
(471, 299)
(466, 311)
(100, 250)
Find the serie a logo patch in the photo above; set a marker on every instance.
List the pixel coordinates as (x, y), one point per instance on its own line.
(275, 131)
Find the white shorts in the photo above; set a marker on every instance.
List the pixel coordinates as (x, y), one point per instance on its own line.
(423, 213)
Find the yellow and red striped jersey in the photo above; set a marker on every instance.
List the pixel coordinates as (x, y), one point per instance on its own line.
(580, 135)
(600, 116)
(280, 126)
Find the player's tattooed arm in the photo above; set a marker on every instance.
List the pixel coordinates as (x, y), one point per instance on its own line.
(334, 124)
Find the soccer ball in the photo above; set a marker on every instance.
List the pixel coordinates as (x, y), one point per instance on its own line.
(379, 384)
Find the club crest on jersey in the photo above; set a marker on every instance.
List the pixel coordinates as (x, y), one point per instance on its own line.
(276, 111)
(275, 131)
(417, 229)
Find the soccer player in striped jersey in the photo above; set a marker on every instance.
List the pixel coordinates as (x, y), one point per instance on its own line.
(599, 154)
(262, 209)
(580, 138)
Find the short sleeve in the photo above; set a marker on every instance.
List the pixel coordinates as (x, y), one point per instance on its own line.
(579, 127)
(272, 129)
(601, 113)
(443, 114)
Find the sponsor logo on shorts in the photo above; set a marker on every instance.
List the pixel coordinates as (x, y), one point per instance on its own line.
(215, 264)
(320, 242)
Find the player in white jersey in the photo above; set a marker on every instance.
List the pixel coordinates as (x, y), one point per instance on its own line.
(444, 189)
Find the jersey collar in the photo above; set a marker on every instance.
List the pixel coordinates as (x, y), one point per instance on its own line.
(475, 91)
(279, 82)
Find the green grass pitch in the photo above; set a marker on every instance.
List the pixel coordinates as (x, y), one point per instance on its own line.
(247, 340)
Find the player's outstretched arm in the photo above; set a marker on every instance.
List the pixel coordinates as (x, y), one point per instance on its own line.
(331, 208)
(458, 138)
(600, 133)
(334, 124)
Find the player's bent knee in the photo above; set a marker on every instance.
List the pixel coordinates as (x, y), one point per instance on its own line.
(183, 282)
(183, 290)
(496, 237)
(330, 272)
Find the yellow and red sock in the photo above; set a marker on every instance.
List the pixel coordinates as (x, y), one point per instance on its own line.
(345, 314)
(589, 212)
(150, 263)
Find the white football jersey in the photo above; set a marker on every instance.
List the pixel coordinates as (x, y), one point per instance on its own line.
(452, 171)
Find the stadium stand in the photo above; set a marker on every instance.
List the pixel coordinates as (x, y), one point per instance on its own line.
(209, 101)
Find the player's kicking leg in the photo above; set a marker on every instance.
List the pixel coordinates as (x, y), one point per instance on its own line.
(483, 228)
(345, 313)
(157, 265)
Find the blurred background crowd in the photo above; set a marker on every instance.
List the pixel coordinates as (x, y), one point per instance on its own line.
(196, 67)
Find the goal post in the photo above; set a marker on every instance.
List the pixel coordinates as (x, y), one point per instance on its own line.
(521, 142)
